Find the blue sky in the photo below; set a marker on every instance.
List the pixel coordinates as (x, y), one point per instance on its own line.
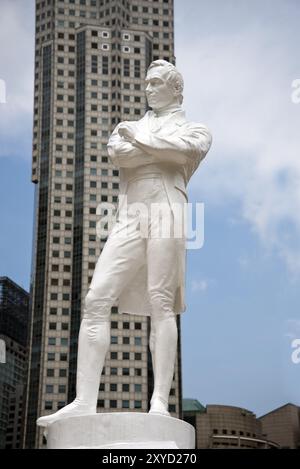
(239, 59)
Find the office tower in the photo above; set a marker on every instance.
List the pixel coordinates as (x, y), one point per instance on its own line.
(90, 62)
(14, 311)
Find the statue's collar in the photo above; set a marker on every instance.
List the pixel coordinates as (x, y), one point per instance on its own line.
(167, 112)
(177, 115)
(176, 118)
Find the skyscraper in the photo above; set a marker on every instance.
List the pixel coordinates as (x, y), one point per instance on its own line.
(91, 57)
(14, 310)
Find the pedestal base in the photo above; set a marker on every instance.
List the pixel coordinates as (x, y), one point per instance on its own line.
(128, 430)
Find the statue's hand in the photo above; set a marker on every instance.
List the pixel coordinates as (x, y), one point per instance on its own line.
(127, 132)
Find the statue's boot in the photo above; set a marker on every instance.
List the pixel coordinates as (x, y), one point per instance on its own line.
(93, 343)
(164, 348)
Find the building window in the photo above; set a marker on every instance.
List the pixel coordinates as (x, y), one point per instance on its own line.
(137, 69)
(125, 404)
(126, 68)
(105, 65)
(94, 64)
(137, 341)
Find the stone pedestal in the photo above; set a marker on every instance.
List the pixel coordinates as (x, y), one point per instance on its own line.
(128, 430)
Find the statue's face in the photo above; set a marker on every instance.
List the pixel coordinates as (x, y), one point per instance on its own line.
(158, 91)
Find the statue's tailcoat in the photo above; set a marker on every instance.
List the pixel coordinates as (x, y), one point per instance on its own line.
(176, 148)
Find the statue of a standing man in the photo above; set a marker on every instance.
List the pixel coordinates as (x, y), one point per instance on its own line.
(156, 156)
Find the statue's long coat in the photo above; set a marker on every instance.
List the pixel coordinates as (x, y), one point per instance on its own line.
(177, 141)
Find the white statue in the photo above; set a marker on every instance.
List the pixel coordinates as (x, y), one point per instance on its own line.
(156, 156)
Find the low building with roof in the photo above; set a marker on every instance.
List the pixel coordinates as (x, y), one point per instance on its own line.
(221, 426)
(282, 425)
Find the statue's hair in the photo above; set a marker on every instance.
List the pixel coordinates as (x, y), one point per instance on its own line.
(174, 77)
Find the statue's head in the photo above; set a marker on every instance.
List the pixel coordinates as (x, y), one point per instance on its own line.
(164, 85)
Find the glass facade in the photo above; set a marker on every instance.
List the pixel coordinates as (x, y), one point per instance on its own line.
(38, 307)
(14, 312)
(78, 210)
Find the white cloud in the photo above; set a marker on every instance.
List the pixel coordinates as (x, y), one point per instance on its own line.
(238, 82)
(293, 329)
(244, 261)
(17, 70)
(199, 285)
